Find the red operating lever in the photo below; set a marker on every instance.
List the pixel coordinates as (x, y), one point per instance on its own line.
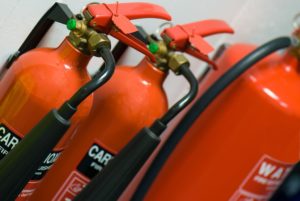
(189, 37)
(114, 19)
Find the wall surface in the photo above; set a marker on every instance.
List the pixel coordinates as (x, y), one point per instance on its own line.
(254, 21)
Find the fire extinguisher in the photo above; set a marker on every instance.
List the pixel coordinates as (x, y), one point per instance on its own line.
(100, 138)
(111, 181)
(241, 143)
(125, 110)
(28, 90)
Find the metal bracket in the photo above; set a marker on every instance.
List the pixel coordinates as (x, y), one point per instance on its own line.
(59, 12)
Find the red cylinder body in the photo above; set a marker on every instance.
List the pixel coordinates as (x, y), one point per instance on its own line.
(38, 81)
(131, 100)
(246, 141)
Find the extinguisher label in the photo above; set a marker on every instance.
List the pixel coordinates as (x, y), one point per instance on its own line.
(263, 180)
(8, 140)
(93, 162)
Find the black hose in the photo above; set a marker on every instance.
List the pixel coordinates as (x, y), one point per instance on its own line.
(201, 104)
(98, 80)
(69, 107)
(117, 51)
(182, 103)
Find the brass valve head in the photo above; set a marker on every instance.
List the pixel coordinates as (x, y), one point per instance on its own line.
(165, 57)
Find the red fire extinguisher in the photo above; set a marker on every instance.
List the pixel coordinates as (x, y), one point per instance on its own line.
(245, 143)
(126, 99)
(44, 78)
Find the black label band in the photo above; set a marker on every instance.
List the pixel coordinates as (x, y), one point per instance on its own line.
(8, 140)
(46, 165)
(94, 161)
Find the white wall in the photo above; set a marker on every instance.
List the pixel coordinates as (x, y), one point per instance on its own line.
(254, 21)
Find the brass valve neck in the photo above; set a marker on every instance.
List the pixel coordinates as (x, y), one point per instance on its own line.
(166, 58)
(85, 38)
(295, 49)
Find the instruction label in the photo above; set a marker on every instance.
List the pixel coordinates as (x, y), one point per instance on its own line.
(92, 163)
(263, 180)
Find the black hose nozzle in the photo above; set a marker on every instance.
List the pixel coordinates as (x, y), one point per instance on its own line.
(19, 165)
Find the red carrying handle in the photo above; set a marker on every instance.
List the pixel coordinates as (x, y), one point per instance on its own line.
(189, 37)
(114, 19)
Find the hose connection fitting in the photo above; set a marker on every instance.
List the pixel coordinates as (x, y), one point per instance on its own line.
(96, 41)
(176, 61)
(295, 48)
(85, 38)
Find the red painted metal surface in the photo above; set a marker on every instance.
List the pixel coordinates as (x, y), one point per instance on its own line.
(38, 81)
(243, 145)
(132, 99)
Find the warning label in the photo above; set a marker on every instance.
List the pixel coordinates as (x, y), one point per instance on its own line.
(8, 140)
(72, 186)
(263, 180)
(92, 163)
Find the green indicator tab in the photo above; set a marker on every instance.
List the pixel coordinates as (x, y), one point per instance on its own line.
(71, 24)
(153, 47)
